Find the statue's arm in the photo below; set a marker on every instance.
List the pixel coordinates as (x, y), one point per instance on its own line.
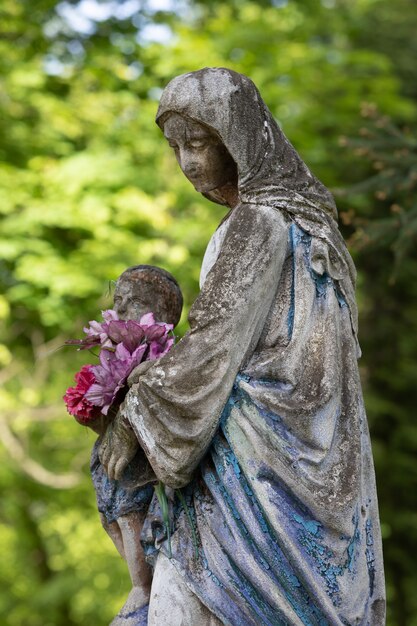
(119, 444)
(175, 408)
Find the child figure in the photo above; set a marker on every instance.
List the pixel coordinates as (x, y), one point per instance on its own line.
(123, 504)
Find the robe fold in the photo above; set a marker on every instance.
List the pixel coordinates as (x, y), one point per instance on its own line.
(257, 414)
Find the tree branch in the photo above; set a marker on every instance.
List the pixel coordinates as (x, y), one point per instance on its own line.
(33, 469)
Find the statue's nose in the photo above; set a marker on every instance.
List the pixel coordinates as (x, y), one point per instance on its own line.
(189, 164)
(122, 307)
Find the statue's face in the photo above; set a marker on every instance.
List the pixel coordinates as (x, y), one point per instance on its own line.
(132, 299)
(200, 153)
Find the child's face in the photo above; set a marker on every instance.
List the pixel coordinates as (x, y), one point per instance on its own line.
(133, 298)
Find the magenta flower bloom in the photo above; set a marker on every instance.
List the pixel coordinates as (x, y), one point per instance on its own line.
(111, 375)
(112, 331)
(97, 333)
(77, 404)
(147, 319)
(159, 348)
(156, 334)
(152, 328)
(130, 334)
(124, 344)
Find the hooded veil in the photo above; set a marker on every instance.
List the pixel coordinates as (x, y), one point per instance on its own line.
(256, 415)
(270, 171)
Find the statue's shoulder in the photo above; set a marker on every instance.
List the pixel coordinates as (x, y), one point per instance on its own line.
(262, 217)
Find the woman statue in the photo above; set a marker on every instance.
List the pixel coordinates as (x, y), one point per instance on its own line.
(256, 418)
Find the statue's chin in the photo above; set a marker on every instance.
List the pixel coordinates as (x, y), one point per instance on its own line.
(202, 188)
(219, 194)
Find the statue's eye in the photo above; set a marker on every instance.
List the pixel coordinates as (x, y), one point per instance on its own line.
(172, 145)
(197, 143)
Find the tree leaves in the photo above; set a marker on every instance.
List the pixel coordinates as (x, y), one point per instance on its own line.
(89, 187)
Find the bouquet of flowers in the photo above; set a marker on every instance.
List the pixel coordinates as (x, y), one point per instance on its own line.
(101, 388)
(123, 345)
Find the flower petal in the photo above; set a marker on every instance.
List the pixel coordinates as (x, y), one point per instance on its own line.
(109, 315)
(147, 319)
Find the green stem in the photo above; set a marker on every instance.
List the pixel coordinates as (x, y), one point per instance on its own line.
(163, 503)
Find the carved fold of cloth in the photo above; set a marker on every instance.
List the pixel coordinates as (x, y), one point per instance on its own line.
(258, 412)
(283, 500)
(116, 498)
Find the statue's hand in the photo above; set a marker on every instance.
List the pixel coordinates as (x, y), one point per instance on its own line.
(117, 448)
(139, 370)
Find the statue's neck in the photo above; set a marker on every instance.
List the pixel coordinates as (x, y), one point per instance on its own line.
(227, 195)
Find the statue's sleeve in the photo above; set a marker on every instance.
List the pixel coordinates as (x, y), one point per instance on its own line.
(176, 406)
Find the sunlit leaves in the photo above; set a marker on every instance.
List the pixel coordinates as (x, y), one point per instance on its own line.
(89, 187)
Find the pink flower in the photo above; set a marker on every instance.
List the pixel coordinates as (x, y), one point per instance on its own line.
(130, 333)
(159, 348)
(75, 397)
(156, 334)
(151, 327)
(97, 333)
(109, 315)
(112, 373)
(124, 344)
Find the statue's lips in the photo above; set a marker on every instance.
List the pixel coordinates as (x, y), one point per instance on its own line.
(198, 181)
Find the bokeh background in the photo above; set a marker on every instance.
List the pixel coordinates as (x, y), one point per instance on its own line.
(88, 187)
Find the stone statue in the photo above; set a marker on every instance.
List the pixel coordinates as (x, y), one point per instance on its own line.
(255, 420)
(123, 504)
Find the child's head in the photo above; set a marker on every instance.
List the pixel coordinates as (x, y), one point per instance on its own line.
(143, 289)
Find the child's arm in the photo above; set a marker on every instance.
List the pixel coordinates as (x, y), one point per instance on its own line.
(118, 447)
(119, 443)
(100, 424)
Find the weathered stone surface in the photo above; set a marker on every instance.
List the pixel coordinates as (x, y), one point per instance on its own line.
(257, 413)
(123, 504)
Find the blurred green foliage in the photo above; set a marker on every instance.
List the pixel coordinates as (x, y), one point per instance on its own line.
(88, 187)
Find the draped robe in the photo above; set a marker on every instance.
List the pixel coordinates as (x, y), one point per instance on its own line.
(257, 414)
